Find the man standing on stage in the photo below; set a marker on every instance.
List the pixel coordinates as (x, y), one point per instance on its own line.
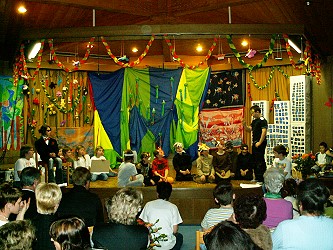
(259, 130)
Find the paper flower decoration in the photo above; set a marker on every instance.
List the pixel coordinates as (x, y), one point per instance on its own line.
(64, 89)
(59, 94)
(62, 103)
(37, 91)
(62, 123)
(33, 123)
(25, 89)
(51, 109)
(35, 101)
(75, 81)
(250, 53)
(85, 91)
(76, 63)
(52, 85)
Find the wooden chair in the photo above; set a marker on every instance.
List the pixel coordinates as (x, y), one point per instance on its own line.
(199, 239)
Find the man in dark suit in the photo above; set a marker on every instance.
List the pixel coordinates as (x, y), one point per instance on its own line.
(48, 150)
(30, 177)
(80, 202)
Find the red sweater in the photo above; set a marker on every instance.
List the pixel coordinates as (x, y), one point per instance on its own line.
(160, 166)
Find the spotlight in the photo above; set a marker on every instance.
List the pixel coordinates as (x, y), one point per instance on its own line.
(294, 46)
(134, 50)
(21, 9)
(34, 50)
(199, 48)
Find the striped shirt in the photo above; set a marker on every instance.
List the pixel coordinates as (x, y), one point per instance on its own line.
(215, 216)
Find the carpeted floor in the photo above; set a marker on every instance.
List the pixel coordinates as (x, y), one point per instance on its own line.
(188, 232)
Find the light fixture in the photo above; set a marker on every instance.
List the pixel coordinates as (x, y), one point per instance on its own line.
(294, 46)
(244, 43)
(278, 49)
(34, 50)
(21, 9)
(134, 50)
(199, 48)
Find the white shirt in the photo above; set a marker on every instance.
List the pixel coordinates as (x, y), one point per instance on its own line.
(95, 158)
(22, 163)
(83, 161)
(285, 165)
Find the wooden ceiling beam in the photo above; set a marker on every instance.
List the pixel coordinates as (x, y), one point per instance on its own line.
(179, 31)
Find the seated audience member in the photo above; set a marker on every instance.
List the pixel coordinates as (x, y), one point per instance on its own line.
(81, 158)
(244, 164)
(11, 203)
(48, 196)
(324, 158)
(144, 167)
(30, 178)
(281, 161)
(278, 209)
(48, 150)
(288, 192)
(122, 232)
(127, 174)
(164, 215)
(311, 230)
(26, 160)
(182, 163)
(205, 169)
(160, 166)
(249, 214)
(223, 196)
(229, 236)
(80, 202)
(229, 149)
(70, 234)
(17, 235)
(99, 156)
(222, 163)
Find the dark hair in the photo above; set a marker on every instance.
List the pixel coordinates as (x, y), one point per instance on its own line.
(228, 144)
(81, 176)
(244, 146)
(24, 150)
(164, 190)
(250, 210)
(128, 156)
(228, 236)
(65, 150)
(8, 194)
(43, 129)
(256, 108)
(144, 154)
(223, 192)
(289, 188)
(280, 149)
(156, 153)
(312, 196)
(29, 175)
(323, 144)
(71, 234)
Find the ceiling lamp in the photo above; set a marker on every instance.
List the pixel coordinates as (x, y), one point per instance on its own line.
(34, 51)
(244, 43)
(199, 48)
(134, 50)
(294, 46)
(21, 9)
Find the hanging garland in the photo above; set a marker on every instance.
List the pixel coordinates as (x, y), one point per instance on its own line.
(246, 65)
(270, 77)
(130, 64)
(317, 70)
(181, 62)
(249, 91)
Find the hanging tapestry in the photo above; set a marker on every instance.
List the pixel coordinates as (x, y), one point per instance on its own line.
(221, 125)
(225, 89)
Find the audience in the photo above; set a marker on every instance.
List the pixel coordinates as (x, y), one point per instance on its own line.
(222, 163)
(30, 178)
(311, 230)
(244, 164)
(289, 193)
(164, 215)
(160, 166)
(182, 163)
(26, 160)
(278, 209)
(249, 214)
(281, 161)
(223, 196)
(48, 196)
(127, 175)
(80, 202)
(229, 236)
(144, 167)
(17, 235)
(11, 203)
(70, 234)
(122, 232)
(205, 169)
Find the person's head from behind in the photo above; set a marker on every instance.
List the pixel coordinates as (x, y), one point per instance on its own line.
(312, 196)
(289, 188)
(48, 197)
(280, 151)
(274, 178)
(128, 156)
(30, 177)
(323, 147)
(81, 177)
(228, 236)
(26, 151)
(70, 234)
(223, 193)
(250, 210)
(124, 206)
(17, 235)
(164, 190)
(255, 111)
(10, 199)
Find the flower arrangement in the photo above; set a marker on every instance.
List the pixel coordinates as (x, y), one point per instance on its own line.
(155, 237)
(304, 163)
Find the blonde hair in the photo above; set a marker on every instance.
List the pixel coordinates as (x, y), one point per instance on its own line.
(124, 205)
(98, 148)
(48, 197)
(76, 152)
